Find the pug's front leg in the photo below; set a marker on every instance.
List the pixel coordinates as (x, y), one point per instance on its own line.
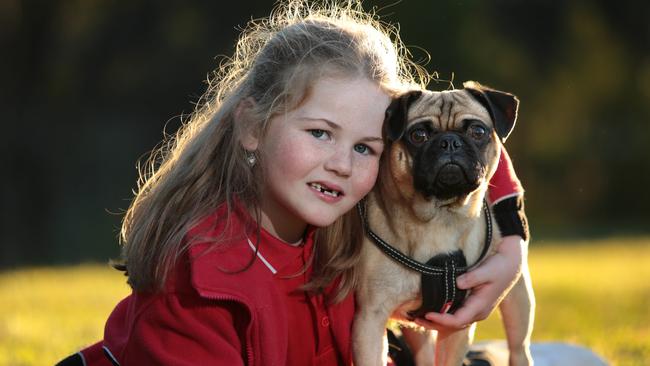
(518, 314)
(422, 344)
(369, 342)
(451, 346)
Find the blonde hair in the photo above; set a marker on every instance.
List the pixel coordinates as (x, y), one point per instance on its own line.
(203, 165)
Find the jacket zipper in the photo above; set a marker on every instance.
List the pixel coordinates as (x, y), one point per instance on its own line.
(249, 343)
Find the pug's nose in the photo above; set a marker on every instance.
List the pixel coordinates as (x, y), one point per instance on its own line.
(450, 143)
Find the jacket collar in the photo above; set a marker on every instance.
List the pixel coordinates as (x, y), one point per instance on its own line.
(224, 243)
(253, 287)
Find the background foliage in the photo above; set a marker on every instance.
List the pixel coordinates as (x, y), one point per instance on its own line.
(88, 87)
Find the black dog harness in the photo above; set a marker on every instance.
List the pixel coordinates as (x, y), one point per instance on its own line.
(439, 290)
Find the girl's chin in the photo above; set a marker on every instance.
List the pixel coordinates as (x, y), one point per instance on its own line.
(323, 217)
(321, 221)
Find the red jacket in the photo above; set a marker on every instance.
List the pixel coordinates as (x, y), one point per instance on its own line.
(207, 316)
(504, 182)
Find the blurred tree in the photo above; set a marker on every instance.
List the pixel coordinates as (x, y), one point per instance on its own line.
(88, 86)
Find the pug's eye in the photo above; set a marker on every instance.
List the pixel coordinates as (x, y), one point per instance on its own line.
(419, 135)
(477, 132)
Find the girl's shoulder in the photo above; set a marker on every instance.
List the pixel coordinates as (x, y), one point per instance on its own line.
(219, 259)
(224, 224)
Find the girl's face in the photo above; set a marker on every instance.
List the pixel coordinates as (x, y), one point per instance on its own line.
(321, 158)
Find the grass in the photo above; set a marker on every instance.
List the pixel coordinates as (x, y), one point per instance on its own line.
(594, 293)
(47, 313)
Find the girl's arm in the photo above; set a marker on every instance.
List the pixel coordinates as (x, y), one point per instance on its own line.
(172, 330)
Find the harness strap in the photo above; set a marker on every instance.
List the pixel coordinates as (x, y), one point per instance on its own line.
(441, 269)
(441, 294)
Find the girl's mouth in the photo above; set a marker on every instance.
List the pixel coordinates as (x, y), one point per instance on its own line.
(325, 190)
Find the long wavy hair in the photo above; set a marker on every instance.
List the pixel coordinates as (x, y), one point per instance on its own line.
(203, 165)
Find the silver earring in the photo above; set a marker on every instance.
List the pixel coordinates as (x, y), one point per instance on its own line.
(251, 158)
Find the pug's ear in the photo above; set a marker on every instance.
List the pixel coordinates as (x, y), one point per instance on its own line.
(397, 114)
(502, 106)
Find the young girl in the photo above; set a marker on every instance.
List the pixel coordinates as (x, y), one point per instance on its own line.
(241, 244)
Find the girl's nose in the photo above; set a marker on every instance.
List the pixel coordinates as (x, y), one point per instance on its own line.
(340, 162)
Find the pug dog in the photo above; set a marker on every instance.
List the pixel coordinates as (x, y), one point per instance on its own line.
(427, 220)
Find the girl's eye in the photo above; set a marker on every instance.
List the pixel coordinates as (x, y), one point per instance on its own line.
(419, 135)
(477, 132)
(362, 149)
(319, 134)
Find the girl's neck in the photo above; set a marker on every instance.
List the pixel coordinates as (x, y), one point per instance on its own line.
(289, 231)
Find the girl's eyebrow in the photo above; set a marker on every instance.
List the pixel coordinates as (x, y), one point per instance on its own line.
(330, 123)
(337, 127)
(373, 139)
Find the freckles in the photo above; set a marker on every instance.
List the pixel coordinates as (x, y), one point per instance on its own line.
(366, 175)
(290, 155)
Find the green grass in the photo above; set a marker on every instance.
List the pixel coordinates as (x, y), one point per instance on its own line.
(47, 313)
(594, 293)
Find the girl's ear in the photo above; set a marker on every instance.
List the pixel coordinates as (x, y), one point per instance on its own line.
(249, 138)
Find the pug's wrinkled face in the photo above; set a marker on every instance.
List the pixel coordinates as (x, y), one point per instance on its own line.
(444, 146)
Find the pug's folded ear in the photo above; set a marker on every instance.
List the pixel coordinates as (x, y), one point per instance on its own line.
(397, 115)
(502, 106)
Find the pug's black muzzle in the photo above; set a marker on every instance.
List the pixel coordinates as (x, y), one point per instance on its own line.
(447, 166)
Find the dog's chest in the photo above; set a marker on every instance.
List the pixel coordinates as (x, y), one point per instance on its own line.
(441, 236)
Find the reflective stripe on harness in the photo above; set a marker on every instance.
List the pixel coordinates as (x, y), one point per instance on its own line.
(439, 291)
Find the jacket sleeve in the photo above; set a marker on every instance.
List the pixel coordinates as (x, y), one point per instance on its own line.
(504, 182)
(90, 356)
(174, 330)
(506, 195)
